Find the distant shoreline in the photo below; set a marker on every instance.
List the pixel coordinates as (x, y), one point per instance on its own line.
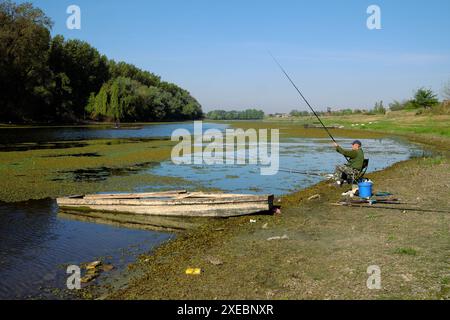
(85, 124)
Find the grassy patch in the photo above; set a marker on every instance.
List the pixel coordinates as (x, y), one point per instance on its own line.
(391, 238)
(434, 161)
(396, 122)
(406, 251)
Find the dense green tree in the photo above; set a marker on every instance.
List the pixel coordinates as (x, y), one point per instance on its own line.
(123, 98)
(425, 98)
(156, 103)
(24, 42)
(126, 70)
(64, 80)
(136, 95)
(115, 106)
(84, 67)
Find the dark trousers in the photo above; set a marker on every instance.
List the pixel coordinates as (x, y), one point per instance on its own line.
(346, 173)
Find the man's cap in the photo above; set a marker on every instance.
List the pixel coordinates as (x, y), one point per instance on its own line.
(357, 142)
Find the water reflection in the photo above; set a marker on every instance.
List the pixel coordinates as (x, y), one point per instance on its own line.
(36, 244)
(42, 135)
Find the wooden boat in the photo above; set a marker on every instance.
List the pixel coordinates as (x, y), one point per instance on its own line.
(178, 203)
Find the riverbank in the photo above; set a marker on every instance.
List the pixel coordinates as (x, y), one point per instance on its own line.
(327, 249)
(405, 122)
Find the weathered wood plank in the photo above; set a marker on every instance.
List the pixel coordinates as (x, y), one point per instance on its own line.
(185, 211)
(135, 195)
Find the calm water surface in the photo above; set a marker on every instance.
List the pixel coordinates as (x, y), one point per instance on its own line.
(302, 154)
(36, 245)
(58, 134)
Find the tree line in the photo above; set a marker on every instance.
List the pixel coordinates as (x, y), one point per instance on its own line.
(249, 114)
(45, 79)
(423, 100)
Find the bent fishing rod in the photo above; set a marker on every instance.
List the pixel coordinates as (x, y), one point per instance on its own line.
(304, 99)
(301, 95)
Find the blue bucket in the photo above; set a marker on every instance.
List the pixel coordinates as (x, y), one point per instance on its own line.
(365, 189)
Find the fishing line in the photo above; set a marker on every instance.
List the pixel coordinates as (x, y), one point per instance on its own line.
(303, 172)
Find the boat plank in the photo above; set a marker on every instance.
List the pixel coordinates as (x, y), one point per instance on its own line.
(186, 211)
(134, 195)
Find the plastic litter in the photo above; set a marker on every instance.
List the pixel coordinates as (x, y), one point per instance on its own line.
(193, 271)
(284, 237)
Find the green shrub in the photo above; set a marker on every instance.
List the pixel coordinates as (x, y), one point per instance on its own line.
(406, 251)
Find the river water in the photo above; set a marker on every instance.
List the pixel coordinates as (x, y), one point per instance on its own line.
(36, 244)
(310, 155)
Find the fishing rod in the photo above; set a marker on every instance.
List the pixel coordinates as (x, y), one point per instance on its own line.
(391, 208)
(304, 99)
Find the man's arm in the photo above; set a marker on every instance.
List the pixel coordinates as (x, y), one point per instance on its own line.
(348, 153)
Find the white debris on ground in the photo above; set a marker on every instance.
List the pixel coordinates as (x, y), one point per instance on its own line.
(284, 237)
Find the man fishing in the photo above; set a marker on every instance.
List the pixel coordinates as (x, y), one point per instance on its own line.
(355, 163)
(355, 156)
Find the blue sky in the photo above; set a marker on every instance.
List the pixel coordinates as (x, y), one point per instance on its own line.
(218, 49)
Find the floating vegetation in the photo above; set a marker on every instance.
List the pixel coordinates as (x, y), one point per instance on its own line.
(86, 166)
(86, 154)
(41, 145)
(103, 173)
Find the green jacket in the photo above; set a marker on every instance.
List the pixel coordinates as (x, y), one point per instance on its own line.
(356, 157)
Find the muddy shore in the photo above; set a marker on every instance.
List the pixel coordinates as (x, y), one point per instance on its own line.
(326, 249)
